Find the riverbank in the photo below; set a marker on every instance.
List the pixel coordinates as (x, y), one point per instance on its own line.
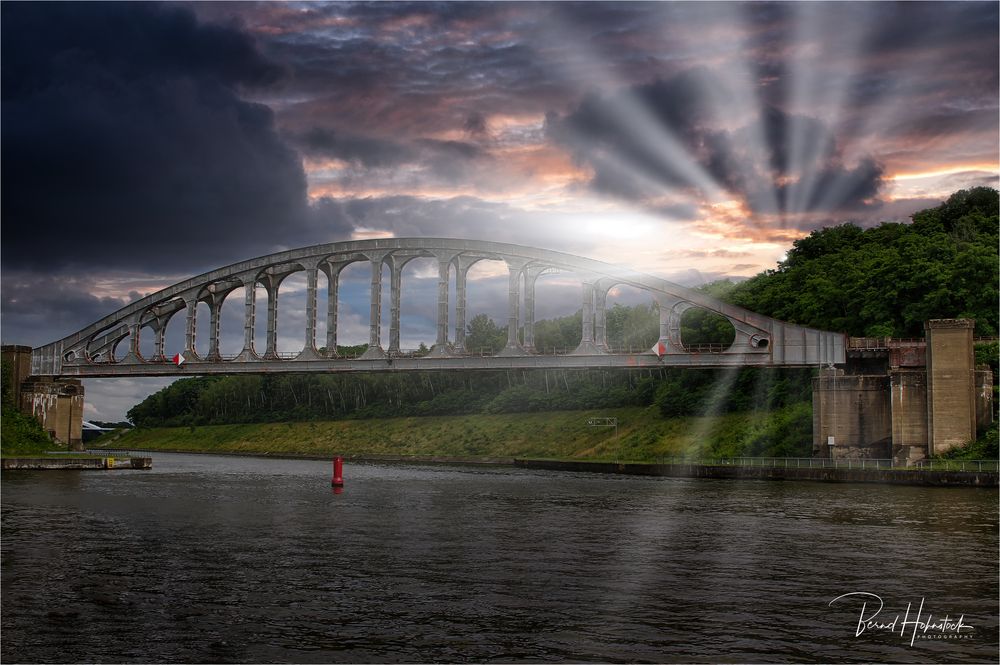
(731, 470)
(74, 463)
(641, 435)
(931, 478)
(376, 459)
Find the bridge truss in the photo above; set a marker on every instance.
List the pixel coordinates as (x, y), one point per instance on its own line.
(91, 352)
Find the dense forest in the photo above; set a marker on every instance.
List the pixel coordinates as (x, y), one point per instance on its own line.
(882, 281)
(890, 279)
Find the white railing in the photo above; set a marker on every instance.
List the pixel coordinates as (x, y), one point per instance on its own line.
(826, 463)
(808, 462)
(958, 465)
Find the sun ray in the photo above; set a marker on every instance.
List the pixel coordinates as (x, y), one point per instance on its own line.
(819, 92)
(635, 118)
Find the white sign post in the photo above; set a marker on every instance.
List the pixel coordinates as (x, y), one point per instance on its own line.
(604, 422)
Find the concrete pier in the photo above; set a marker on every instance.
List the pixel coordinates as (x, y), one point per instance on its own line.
(951, 384)
(852, 416)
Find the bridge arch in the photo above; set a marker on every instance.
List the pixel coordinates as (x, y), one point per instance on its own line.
(90, 351)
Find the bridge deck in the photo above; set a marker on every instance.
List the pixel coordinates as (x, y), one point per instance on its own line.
(403, 364)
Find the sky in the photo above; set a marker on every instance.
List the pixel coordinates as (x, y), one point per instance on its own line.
(144, 143)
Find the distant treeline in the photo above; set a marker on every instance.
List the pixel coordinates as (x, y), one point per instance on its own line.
(280, 397)
(883, 281)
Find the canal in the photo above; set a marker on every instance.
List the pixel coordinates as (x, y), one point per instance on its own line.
(230, 559)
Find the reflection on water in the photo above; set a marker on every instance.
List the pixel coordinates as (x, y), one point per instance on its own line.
(221, 559)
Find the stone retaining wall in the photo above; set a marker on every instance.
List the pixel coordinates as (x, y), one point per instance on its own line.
(733, 472)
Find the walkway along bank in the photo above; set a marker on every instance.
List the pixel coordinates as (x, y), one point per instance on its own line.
(740, 472)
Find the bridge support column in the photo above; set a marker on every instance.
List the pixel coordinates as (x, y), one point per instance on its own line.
(531, 276)
(854, 414)
(133, 343)
(159, 343)
(272, 282)
(375, 351)
(670, 324)
(461, 278)
(601, 318)
(190, 330)
(529, 313)
(396, 264)
(214, 308)
(271, 352)
(249, 319)
(908, 412)
(395, 295)
(309, 351)
(951, 384)
(214, 295)
(515, 268)
(332, 270)
(440, 349)
(587, 346)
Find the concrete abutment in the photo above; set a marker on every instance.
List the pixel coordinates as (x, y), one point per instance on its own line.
(57, 404)
(903, 399)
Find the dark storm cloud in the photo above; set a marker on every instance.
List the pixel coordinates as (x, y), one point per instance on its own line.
(597, 127)
(38, 309)
(125, 140)
(899, 26)
(776, 128)
(362, 150)
(837, 188)
(405, 68)
(475, 124)
(373, 153)
(950, 122)
(753, 162)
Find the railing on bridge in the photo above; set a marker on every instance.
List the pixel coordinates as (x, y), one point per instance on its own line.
(484, 352)
(884, 343)
(880, 343)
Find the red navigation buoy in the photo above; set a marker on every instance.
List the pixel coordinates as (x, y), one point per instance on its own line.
(338, 472)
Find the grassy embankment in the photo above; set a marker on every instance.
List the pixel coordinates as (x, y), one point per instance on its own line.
(643, 435)
(22, 436)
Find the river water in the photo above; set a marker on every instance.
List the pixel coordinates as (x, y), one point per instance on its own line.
(227, 559)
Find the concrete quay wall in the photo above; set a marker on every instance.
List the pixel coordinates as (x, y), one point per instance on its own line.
(734, 472)
(74, 463)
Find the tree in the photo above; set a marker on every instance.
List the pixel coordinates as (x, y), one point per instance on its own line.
(483, 333)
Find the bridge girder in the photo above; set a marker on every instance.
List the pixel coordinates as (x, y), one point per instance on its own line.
(760, 340)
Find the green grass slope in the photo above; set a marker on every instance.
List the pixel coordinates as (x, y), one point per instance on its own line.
(643, 435)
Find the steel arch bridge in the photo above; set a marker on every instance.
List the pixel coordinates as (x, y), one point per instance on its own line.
(91, 352)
